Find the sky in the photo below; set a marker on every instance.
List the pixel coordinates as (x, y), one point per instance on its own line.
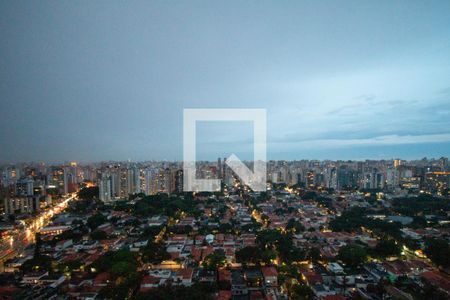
(108, 80)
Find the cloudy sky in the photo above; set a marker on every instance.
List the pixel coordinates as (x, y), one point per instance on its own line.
(101, 80)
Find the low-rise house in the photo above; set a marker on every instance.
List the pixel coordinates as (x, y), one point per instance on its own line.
(253, 278)
(376, 271)
(149, 282)
(238, 285)
(270, 276)
(34, 277)
(101, 279)
(437, 280)
(322, 291)
(335, 268)
(62, 245)
(204, 275)
(184, 276)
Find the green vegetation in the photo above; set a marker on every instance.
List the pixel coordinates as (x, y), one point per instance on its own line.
(352, 255)
(295, 226)
(162, 204)
(69, 266)
(214, 260)
(438, 251)
(154, 253)
(107, 261)
(40, 263)
(98, 235)
(121, 289)
(96, 220)
(254, 255)
(88, 193)
(122, 265)
(386, 248)
(355, 218)
(301, 292)
(422, 205)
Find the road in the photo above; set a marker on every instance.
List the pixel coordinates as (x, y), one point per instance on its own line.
(15, 241)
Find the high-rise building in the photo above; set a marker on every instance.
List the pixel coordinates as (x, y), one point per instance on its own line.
(105, 191)
(179, 181)
(25, 187)
(58, 179)
(310, 179)
(346, 178)
(219, 169)
(392, 178)
(23, 205)
(373, 180)
(133, 180)
(151, 181)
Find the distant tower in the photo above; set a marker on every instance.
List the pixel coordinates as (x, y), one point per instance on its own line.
(105, 188)
(179, 181)
(397, 163)
(219, 169)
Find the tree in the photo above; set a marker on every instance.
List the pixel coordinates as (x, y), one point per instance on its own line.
(88, 193)
(349, 221)
(301, 292)
(352, 255)
(69, 266)
(108, 260)
(269, 238)
(122, 268)
(214, 260)
(121, 289)
(314, 254)
(226, 228)
(419, 222)
(99, 235)
(40, 263)
(37, 246)
(249, 255)
(95, 221)
(387, 248)
(295, 226)
(438, 251)
(268, 255)
(310, 195)
(155, 253)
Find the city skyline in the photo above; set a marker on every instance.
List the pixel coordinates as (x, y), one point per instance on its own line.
(225, 150)
(339, 80)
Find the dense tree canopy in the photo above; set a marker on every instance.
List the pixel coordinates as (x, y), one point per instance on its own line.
(164, 205)
(88, 193)
(352, 255)
(295, 226)
(95, 221)
(355, 218)
(99, 235)
(387, 248)
(438, 251)
(214, 260)
(422, 205)
(154, 253)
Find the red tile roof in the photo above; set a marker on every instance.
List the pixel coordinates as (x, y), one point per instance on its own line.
(224, 295)
(269, 271)
(334, 297)
(437, 280)
(149, 279)
(224, 275)
(186, 273)
(102, 278)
